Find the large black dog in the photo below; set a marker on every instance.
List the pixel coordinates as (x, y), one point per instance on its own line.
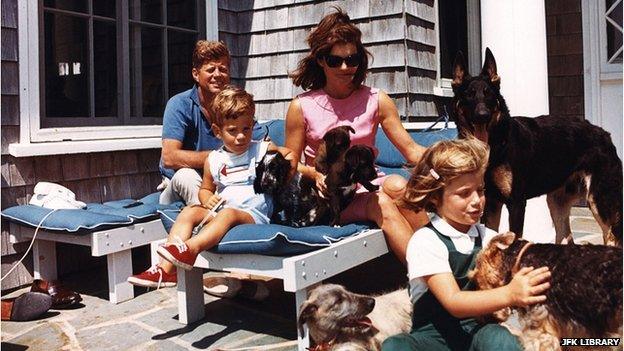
(562, 157)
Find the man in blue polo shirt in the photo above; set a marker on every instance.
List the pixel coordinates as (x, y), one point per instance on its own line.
(187, 136)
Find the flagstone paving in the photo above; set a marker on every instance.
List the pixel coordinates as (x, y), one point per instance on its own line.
(149, 321)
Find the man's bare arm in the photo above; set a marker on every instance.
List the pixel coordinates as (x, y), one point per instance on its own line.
(175, 158)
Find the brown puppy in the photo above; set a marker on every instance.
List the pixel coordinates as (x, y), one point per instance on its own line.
(333, 147)
(345, 166)
(340, 320)
(585, 298)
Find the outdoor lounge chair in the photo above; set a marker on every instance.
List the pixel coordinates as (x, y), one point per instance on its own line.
(301, 257)
(111, 229)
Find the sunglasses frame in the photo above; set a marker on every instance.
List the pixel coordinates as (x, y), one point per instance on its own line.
(334, 61)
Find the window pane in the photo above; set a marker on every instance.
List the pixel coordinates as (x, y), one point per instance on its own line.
(105, 69)
(71, 5)
(614, 34)
(182, 13)
(66, 66)
(180, 49)
(453, 33)
(146, 10)
(146, 65)
(104, 8)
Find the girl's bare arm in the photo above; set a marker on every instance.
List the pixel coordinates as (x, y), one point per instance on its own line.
(526, 288)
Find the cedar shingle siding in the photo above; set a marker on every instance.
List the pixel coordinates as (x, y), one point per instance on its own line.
(564, 38)
(267, 39)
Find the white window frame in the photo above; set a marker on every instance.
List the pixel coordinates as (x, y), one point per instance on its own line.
(36, 141)
(443, 85)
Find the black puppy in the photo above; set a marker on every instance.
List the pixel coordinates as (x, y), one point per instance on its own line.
(562, 157)
(296, 201)
(345, 166)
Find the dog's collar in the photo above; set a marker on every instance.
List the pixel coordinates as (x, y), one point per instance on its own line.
(323, 346)
(516, 266)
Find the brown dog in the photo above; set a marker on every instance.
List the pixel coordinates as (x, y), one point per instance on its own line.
(340, 320)
(345, 166)
(585, 298)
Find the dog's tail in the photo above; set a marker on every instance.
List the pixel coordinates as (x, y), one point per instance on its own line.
(605, 189)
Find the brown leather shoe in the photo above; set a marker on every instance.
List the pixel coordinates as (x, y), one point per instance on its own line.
(61, 296)
(25, 307)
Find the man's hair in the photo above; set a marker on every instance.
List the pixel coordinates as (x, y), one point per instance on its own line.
(231, 103)
(209, 51)
(440, 164)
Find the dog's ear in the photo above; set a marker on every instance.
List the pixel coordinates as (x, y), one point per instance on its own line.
(460, 72)
(306, 311)
(349, 128)
(504, 240)
(489, 67)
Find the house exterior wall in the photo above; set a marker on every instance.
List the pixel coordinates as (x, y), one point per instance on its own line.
(564, 36)
(93, 177)
(268, 38)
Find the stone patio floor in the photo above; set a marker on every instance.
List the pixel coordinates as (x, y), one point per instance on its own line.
(149, 321)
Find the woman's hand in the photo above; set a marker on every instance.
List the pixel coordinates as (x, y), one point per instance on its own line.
(528, 286)
(320, 184)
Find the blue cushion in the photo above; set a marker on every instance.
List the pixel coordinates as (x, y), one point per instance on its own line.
(273, 239)
(94, 217)
(276, 131)
(389, 156)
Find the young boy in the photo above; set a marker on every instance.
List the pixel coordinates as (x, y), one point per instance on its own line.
(228, 175)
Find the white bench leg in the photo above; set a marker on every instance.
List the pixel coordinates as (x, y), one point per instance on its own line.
(44, 259)
(303, 340)
(119, 269)
(190, 295)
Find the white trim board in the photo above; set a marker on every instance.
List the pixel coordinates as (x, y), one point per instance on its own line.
(83, 146)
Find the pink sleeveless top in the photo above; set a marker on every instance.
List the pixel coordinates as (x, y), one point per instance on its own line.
(321, 113)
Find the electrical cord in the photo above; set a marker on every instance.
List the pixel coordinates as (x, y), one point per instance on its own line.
(30, 246)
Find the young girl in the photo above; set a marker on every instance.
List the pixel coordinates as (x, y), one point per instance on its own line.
(449, 182)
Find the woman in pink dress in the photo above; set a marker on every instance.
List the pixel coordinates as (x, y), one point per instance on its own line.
(332, 74)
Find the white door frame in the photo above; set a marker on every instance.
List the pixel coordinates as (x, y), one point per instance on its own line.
(595, 66)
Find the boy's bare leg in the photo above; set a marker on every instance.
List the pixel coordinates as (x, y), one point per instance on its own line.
(183, 228)
(210, 235)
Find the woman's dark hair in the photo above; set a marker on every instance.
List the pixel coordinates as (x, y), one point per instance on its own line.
(335, 28)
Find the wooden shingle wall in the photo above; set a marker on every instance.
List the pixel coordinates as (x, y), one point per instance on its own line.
(94, 177)
(564, 39)
(268, 38)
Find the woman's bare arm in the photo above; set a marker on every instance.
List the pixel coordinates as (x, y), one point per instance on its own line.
(391, 125)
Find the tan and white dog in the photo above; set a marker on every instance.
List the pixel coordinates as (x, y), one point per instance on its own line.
(339, 320)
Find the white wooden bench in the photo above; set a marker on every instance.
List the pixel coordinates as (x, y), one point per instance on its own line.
(115, 244)
(299, 273)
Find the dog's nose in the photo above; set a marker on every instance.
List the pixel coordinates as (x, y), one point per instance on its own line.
(370, 303)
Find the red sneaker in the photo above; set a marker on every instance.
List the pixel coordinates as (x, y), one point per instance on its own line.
(178, 254)
(155, 277)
